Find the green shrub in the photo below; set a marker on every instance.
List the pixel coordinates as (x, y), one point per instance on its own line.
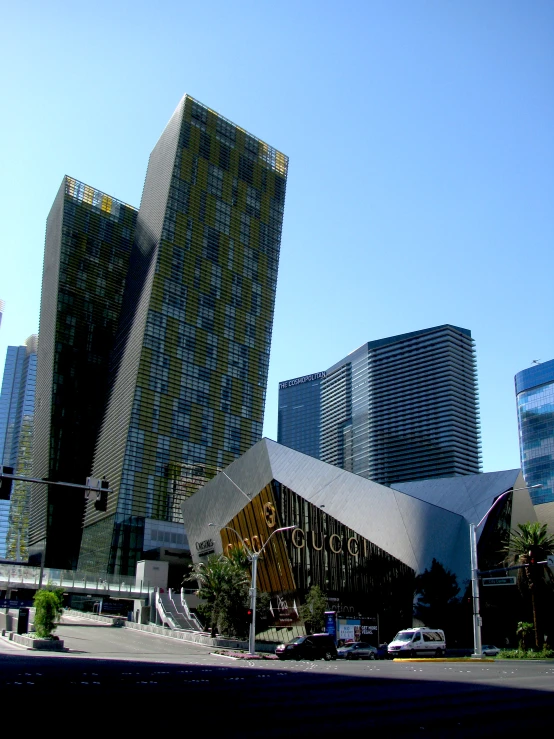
(48, 607)
(544, 653)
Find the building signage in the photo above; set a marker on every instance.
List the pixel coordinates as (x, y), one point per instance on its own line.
(300, 380)
(205, 547)
(499, 581)
(6, 603)
(334, 543)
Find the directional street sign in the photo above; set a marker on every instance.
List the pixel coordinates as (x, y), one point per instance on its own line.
(499, 581)
(550, 560)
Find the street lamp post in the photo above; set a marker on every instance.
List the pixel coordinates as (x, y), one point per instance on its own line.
(254, 556)
(477, 643)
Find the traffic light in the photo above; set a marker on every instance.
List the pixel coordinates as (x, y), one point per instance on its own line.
(532, 558)
(6, 483)
(101, 502)
(249, 615)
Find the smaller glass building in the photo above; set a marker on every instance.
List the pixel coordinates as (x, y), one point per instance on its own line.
(300, 413)
(535, 414)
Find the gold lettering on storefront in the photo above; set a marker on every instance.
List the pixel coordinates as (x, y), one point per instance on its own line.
(298, 544)
(314, 534)
(270, 515)
(331, 547)
(353, 546)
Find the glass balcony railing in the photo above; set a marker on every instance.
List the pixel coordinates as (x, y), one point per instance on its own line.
(13, 575)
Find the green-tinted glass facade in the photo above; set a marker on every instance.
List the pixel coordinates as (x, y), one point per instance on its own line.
(88, 243)
(192, 357)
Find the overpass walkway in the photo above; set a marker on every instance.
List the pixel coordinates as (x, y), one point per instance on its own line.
(15, 577)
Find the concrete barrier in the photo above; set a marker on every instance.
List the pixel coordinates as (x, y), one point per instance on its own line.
(50, 645)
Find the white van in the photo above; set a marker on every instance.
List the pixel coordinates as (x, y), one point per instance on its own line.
(422, 642)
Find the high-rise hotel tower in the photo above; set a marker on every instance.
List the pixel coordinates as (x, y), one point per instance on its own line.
(186, 385)
(396, 409)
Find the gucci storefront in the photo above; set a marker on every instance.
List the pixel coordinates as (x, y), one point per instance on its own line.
(361, 542)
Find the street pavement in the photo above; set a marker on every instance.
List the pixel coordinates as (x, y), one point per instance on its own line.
(158, 676)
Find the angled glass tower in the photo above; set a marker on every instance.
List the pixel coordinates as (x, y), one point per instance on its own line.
(396, 409)
(17, 405)
(86, 261)
(535, 414)
(189, 368)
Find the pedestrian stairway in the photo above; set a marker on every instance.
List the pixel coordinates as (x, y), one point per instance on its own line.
(173, 610)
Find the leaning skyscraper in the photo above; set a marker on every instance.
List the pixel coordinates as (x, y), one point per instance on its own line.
(86, 259)
(189, 367)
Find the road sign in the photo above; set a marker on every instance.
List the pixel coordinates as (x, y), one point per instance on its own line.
(550, 560)
(499, 581)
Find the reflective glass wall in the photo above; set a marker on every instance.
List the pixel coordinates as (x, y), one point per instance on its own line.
(535, 412)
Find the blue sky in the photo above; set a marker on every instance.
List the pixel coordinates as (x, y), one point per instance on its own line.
(421, 176)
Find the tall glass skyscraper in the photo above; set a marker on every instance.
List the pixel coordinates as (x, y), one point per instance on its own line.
(86, 261)
(535, 414)
(17, 401)
(396, 409)
(155, 338)
(191, 362)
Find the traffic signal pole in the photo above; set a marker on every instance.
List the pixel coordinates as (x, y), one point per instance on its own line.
(101, 488)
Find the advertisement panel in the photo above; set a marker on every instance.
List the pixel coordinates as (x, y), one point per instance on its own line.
(331, 624)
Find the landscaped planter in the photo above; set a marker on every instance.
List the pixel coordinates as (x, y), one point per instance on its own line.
(52, 645)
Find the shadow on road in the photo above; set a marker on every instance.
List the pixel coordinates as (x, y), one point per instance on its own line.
(279, 703)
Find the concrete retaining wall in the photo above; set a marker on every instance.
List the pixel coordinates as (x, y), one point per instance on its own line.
(194, 637)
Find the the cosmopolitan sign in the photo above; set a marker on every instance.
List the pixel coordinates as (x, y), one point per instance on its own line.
(300, 380)
(205, 547)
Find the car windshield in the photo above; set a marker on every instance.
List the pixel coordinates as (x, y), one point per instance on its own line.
(404, 636)
(298, 640)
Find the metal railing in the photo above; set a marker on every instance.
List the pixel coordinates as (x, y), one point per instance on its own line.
(12, 576)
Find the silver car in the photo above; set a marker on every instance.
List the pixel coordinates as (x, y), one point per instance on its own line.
(490, 650)
(357, 650)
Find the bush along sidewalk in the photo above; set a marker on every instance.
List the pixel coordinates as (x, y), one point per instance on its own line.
(48, 609)
(544, 653)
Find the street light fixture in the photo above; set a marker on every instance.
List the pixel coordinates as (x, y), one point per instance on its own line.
(477, 643)
(254, 556)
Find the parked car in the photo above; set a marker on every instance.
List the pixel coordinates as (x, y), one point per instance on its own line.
(357, 650)
(313, 646)
(490, 650)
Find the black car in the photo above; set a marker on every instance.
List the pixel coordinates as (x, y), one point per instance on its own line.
(313, 646)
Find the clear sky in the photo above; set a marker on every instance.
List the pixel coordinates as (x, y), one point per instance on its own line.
(421, 176)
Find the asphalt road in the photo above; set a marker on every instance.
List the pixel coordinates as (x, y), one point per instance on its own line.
(157, 676)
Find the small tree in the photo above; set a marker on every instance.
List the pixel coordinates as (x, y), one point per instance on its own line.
(48, 608)
(313, 610)
(524, 628)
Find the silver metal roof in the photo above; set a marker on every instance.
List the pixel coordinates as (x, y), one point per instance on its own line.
(415, 524)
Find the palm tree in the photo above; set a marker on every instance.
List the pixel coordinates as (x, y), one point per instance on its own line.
(529, 546)
(222, 583)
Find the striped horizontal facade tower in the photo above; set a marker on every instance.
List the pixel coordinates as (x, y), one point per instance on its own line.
(396, 409)
(190, 363)
(86, 260)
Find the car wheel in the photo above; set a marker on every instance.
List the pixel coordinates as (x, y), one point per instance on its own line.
(371, 655)
(438, 653)
(349, 656)
(327, 656)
